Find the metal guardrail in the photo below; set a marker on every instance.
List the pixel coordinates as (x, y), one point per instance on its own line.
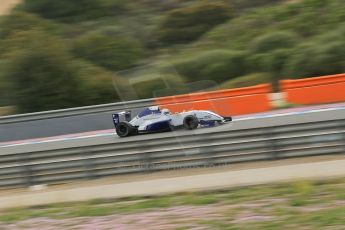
(171, 153)
(66, 121)
(76, 111)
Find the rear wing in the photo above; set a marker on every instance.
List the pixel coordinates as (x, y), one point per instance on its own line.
(117, 117)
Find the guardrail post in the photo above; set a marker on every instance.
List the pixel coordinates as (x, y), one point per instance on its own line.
(89, 165)
(343, 134)
(24, 160)
(272, 144)
(205, 152)
(146, 162)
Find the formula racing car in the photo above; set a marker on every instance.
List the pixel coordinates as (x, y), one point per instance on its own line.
(153, 119)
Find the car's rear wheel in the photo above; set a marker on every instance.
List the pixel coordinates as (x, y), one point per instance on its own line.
(190, 122)
(124, 129)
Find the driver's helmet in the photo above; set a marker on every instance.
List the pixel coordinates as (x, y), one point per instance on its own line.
(165, 111)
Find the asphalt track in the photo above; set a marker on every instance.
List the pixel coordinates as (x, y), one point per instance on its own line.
(245, 121)
(271, 119)
(93, 125)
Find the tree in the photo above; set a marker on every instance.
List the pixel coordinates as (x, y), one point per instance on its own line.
(114, 53)
(273, 41)
(43, 76)
(75, 10)
(316, 59)
(22, 21)
(216, 65)
(96, 84)
(189, 23)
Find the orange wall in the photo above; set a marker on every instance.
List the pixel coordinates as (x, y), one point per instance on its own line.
(318, 90)
(224, 102)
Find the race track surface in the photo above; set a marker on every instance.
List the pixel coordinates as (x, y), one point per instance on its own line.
(273, 118)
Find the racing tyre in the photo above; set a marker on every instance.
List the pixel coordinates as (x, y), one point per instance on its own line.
(190, 122)
(124, 129)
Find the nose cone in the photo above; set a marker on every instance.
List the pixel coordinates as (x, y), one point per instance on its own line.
(228, 118)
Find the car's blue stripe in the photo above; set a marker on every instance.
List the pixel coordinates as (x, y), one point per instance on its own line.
(160, 125)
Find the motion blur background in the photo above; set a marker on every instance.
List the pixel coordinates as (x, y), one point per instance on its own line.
(62, 54)
(271, 168)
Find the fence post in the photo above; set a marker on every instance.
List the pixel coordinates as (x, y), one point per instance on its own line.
(272, 144)
(24, 160)
(342, 126)
(88, 164)
(144, 156)
(206, 151)
(146, 162)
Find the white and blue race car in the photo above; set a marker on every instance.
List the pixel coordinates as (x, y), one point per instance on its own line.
(153, 119)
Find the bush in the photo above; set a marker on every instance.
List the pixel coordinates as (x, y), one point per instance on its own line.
(114, 53)
(166, 86)
(146, 89)
(247, 80)
(314, 59)
(273, 41)
(41, 73)
(76, 10)
(20, 22)
(189, 23)
(96, 84)
(43, 80)
(245, 4)
(216, 65)
(273, 62)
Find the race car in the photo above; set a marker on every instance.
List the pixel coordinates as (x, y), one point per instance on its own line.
(153, 119)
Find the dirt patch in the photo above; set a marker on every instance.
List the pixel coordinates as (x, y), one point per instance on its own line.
(8, 110)
(7, 5)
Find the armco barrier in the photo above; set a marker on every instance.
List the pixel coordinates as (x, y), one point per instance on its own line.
(65, 121)
(318, 90)
(224, 102)
(54, 166)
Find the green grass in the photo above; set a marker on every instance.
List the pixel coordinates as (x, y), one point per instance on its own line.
(290, 211)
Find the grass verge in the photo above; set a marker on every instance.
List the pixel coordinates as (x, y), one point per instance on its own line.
(301, 204)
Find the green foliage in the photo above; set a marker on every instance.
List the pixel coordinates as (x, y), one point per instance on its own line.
(305, 18)
(247, 80)
(188, 24)
(273, 201)
(273, 41)
(272, 62)
(314, 59)
(146, 89)
(114, 53)
(248, 4)
(275, 61)
(159, 87)
(21, 21)
(46, 79)
(96, 84)
(302, 191)
(295, 39)
(216, 65)
(76, 10)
